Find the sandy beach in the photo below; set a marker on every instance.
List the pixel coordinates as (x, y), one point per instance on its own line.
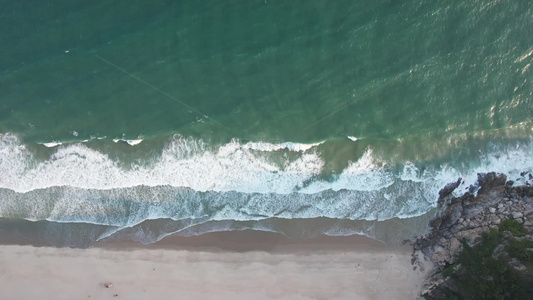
(245, 265)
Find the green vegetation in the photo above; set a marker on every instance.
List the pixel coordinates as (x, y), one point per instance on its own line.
(513, 226)
(449, 270)
(480, 276)
(518, 249)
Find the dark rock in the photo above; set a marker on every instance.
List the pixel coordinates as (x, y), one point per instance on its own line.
(467, 197)
(419, 244)
(447, 234)
(524, 191)
(448, 189)
(453, 216)
(455, 245)
(489, 181)
(473, 211)
(435, 223)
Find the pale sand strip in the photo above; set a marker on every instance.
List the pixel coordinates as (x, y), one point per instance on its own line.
(334, 268)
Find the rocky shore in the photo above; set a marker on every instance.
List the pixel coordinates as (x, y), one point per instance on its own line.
(463, 221)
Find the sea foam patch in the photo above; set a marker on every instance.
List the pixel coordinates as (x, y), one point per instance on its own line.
(352, 138)
(52, 144)
(264, 146)
(133, 142)
(364, 174)
(235, 167)
(183, 163)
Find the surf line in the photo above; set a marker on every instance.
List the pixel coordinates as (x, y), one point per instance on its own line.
(162, 92)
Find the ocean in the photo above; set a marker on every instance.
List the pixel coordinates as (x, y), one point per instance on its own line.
(144, 119)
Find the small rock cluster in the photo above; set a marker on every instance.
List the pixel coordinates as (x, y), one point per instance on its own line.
(465, 218)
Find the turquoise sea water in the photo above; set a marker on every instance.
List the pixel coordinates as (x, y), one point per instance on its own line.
(201, 116)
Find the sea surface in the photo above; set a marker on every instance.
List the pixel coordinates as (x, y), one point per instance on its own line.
(143, 119)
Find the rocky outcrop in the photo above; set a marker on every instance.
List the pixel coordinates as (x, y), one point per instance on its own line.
(465, 218)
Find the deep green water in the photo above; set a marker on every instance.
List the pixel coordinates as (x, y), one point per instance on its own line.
(431, 90)
(275, 70)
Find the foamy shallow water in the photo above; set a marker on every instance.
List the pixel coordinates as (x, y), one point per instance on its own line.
(235, 181)
(190, 188)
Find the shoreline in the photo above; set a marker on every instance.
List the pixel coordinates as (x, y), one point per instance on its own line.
(84, 235)
(245, 241)
(215, 266)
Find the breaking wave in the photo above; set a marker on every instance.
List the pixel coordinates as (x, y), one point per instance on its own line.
(192, 183)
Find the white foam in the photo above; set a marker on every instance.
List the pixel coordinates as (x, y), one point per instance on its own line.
(353, 138)
(295, 147)
(133, 142)
(129, 142)
(411, 172)
(368, 188)
(52, 144)
(183, 163)
(511, 162)
(365, 174)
